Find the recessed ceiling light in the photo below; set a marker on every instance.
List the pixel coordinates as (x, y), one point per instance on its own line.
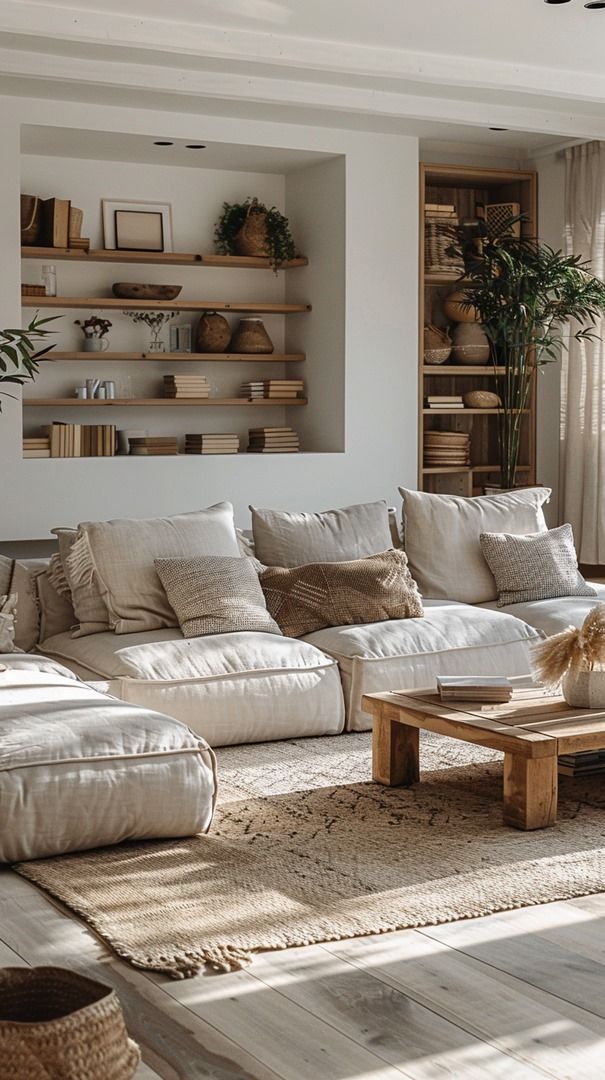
(498, 129)
(195, 146)
(596, 4)
(556, 1)
(162, 142)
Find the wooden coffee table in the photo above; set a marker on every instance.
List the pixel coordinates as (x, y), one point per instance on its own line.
(531, 730)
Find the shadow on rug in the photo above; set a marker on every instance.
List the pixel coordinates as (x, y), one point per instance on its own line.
(305, 848)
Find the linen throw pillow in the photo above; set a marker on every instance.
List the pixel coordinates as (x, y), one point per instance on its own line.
(306, 598)
(75, 569)
(120, 557)
(215, 595)
(535, 567)
(288, 539)
(441, 538)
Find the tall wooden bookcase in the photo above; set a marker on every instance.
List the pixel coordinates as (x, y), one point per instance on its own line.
(463, 187)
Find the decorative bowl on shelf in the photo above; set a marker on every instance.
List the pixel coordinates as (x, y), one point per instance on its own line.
(128, 290)
(481, 399)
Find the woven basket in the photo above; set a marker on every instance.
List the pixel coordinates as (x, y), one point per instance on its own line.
(213, 333)
(251, 337)
(437, 239)
(252, 237)
(57, 1025)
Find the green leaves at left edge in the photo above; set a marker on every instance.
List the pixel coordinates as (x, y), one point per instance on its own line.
(19, 347)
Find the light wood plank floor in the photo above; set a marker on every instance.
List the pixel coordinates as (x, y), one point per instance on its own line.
(519, 995)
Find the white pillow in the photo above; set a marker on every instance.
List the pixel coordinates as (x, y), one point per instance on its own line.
(121, 556)
(441, 538)
(293, 539)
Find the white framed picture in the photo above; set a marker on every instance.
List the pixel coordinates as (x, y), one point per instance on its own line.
(147, 226)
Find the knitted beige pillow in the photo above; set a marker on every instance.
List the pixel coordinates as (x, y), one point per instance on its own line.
(214, 594)
(302, 599)
(540, 566)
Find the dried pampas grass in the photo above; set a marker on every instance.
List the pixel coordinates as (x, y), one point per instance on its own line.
(572, 650)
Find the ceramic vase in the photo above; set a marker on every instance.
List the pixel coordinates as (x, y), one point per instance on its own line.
(584, 689)
(251, 337)
(213, 333)
(469, 344)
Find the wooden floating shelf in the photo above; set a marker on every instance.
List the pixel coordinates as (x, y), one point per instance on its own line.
(93, 403)
(222, 358)
(445, 279)
(465, 412)
(160, 258)
(436, 470)
(462, 369)
(114, 302)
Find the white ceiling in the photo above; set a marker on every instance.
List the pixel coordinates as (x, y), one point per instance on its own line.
(435, 68)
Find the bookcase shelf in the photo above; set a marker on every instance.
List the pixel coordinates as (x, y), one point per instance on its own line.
(462, 187)
(158, 258)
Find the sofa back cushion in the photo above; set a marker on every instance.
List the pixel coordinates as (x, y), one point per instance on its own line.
(282, 538)
(17, 579)
(120, 556)
(441, 538)
(305, 598)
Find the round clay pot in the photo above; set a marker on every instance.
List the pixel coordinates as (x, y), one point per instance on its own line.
(456, 309)
(481, 399)
(252, 237)
(469, 344)
(251, 337)
(213, 333)
(584, 689)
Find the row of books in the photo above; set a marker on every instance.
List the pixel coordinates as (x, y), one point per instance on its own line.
(444, 401)
(186, 386)
(273, 388)
(79, 440)
(62, 225)
(153, 445)
(219, 443)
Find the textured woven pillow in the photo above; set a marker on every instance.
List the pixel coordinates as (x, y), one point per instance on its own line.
(536, 567)
(307, 598)
(288, 539)
(215, 594)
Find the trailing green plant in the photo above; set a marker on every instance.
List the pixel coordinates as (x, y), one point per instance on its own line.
(526, 295)
(20, 355)
(278, 238)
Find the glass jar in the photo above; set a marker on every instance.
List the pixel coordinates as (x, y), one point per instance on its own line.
(49, 280)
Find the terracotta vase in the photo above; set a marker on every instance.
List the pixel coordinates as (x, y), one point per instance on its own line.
(212, 334)
(251, 337)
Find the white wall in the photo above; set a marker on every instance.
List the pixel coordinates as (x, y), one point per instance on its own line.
(381, 216)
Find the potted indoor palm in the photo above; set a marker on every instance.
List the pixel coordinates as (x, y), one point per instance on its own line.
(20, 352)
(527, 296)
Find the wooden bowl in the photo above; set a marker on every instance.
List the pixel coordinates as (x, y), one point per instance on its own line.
(128, 290)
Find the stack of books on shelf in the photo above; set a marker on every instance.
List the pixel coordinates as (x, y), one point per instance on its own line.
(487, 689)
(211, 443)
(82, 440)
(273, 388)
(444, 401)
(273, 440)
(36, 446)
(186, 386)
(447, 448)
(153, 445)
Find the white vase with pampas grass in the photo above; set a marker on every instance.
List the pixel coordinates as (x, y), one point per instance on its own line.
(575, 661)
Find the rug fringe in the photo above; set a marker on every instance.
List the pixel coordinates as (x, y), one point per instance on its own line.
(222, 958)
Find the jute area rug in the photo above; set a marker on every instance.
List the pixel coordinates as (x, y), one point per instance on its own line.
(305, 848)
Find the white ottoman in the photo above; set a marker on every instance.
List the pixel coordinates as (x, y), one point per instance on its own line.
(79, 769)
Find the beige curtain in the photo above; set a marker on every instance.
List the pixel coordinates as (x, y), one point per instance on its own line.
(583, 375)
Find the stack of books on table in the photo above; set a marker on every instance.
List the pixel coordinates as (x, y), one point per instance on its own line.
(273, 388)
(273, 440)
(447, 448)
(211, 443)
(186, 386)
(444, 401)
(153, 445)
(584, 763)
(486, 689)
(82, 440)
(36, 446)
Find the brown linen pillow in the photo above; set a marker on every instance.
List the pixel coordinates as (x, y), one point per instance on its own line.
(215, 594)
(302, 599)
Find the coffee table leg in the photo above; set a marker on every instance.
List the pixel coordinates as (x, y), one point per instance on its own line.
(530, 791)
(394, 752)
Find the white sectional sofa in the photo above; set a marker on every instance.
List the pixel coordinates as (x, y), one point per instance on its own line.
(250, 687)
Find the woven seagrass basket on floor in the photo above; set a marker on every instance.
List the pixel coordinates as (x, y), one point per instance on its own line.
(57, 1025)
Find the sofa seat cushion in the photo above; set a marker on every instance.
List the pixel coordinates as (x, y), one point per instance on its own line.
(230, 688)
(552, 616)
(79, 769)
(451, 639)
